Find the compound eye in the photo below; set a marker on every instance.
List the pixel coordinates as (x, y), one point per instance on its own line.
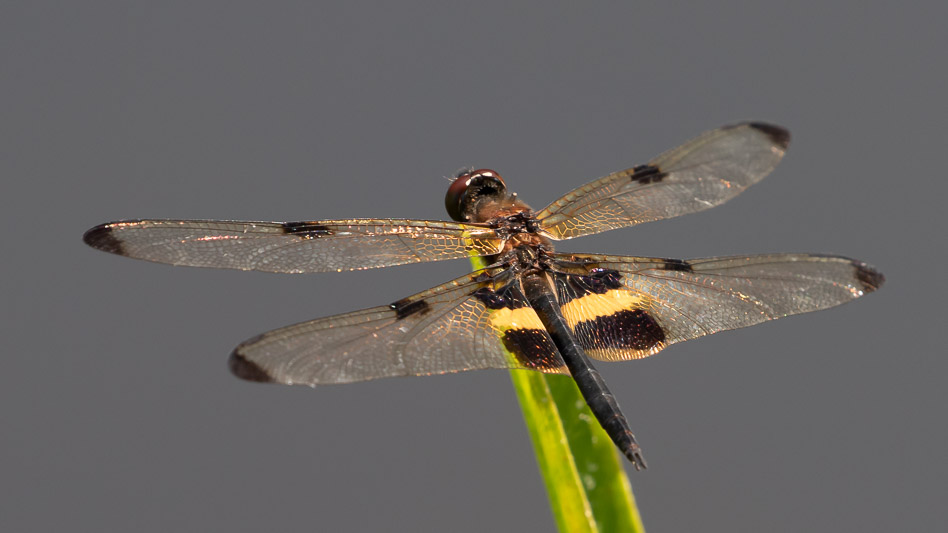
(469, 187)
(452, 200)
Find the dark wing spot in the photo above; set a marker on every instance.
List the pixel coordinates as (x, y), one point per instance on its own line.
(244, 368)
(405, 307)
(646, 174)
(869, 278)
(627, 329)
(306, 230)
(533, 348)
(102, 238)
(779, 136)
(678, 265)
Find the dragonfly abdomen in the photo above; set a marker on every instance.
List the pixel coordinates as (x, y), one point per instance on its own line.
(600, 399)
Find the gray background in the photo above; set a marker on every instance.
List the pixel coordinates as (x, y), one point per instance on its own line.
(119, 414)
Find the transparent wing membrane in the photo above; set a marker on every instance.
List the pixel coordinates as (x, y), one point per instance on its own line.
(449, 328)
(704, 172)
(630, 307)
(293, 247)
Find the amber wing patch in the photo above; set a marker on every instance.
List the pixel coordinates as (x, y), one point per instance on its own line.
(610, 322)
(520, 329)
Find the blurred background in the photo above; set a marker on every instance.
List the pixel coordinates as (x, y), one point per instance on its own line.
(117, 408)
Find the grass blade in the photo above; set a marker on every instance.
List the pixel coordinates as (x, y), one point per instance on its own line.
(584, 475)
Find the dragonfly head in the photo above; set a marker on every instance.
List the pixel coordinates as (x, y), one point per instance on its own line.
(469, 188)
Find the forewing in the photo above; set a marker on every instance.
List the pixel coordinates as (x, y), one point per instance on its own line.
(466, 324)
(628, 307)
(293, 247)
(702, 173)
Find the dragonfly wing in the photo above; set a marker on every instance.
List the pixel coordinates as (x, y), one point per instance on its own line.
(293, 247)
(704, 172)
(632, 307)
(470, 323)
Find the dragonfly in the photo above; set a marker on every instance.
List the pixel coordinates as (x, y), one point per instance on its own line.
(529, 307)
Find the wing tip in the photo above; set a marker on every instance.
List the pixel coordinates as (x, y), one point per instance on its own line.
(780, 136)
(246, 369)
(870, 278)
(103, 238)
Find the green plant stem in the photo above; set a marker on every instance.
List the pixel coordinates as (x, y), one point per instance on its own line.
(581, 468)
